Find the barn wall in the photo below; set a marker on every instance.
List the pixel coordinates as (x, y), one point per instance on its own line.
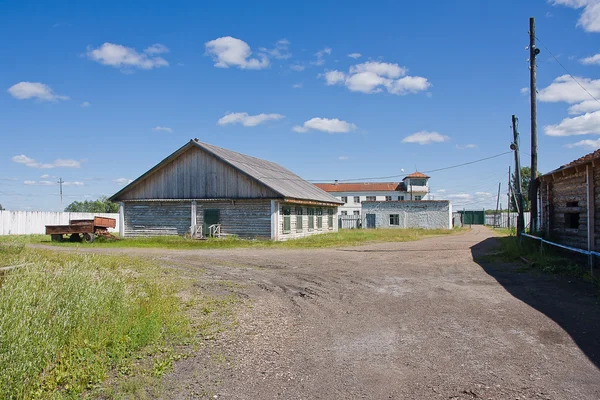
(244, 218)
(157, 218)
(196, 174)
(297, 231)
(412, 214)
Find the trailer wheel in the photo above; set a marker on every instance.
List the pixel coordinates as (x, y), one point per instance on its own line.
(75, 237)
(88, 237)
(56, 238)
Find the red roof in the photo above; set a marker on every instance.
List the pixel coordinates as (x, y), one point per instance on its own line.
(417, 174)
(584, 159)
(361, 187)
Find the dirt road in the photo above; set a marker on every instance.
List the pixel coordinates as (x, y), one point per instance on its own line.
(416, 320)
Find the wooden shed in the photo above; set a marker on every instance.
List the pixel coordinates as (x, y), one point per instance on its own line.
(569, 198)
(202, 187)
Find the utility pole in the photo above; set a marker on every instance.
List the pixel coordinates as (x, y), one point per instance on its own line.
(498, 203)
(60, 182)
(533, 52)
(509, 199)
(518, 195)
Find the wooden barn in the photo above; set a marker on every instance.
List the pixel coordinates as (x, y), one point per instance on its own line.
(205, 190)
(569, 198)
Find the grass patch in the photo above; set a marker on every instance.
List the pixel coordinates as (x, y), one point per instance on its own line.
(344, 237)
(75, 325)
(546, 259)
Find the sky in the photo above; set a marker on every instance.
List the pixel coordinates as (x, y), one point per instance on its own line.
(96, 93)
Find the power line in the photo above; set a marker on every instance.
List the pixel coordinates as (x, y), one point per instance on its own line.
(567, 71)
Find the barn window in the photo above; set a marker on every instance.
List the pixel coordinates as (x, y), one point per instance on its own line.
(400, 198)
(319, 218)
(572, 204)
(287, 223)
(371, 198)
(357, 199)
(311, 218)
(572, 220)
(299, 220)
(394, 219)
(345, 199)
(418, 197)
(388, 198)
(330, 219)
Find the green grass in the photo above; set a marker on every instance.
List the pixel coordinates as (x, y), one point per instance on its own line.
(548, 260)
(74, 325)
(344, 237)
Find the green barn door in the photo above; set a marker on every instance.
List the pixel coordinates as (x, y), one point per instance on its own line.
(211, 217)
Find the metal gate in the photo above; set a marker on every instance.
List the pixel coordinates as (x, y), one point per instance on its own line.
(473, 217)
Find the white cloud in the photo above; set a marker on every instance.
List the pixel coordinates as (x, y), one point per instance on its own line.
(157, 48)
(441, 190)
(228, 52)
(342, 158)
(374, 77)
(587, 143)
(424, 137)
(30, 162)
(46, 176)
(325, 125)
(321, 56)
(297, 67)
(524, 91)
(466, 146)
(280, 51)
(297, 85)
(75, 183)
(248, 120)
(118, 56)
(459, 196)
(28, 90)
(589, 19)
(39, 183)
(162, 129)
(483, 194)
(565, 89)
(355, 55)
(586, 124)
(122, 181)
(595, 59)
(85, 104)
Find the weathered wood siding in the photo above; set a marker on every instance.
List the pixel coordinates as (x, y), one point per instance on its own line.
(244, 218)
(560, 190)
(155, 218)
(294, 232)
(196, 174)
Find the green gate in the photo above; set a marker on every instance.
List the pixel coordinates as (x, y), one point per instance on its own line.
(473, 217)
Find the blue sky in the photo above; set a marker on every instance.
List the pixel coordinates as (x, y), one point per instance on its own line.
(99, 92)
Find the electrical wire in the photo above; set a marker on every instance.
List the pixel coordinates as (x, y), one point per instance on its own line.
(567, 71)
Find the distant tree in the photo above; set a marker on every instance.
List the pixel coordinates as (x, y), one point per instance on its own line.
(525, 183)
(1, 208)
(101, 205)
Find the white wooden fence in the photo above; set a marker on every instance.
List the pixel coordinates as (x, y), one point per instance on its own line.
(34, 222)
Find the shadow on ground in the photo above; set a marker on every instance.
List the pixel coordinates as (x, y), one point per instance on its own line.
(571, 302)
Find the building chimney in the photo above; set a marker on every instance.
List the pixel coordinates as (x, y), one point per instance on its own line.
(335, 182)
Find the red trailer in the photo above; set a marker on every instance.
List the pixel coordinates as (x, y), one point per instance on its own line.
(79, 229)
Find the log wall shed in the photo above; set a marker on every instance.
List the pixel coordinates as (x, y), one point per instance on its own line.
(201, 185)
(569, 198)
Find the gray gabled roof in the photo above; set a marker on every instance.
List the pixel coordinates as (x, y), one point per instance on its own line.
(274, 176)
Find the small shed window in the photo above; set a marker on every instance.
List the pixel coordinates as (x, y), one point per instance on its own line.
(345, 199)
(330, 219)
(319, 218)
(371, 198)
(400, 198)
(356, 212)
(394, 219)
(572, 204)
(344, 212)
(287, 223)
(299, 219)
(418, 197)
(357, 199)
(311, 218)
(572, 220)
(388, 198)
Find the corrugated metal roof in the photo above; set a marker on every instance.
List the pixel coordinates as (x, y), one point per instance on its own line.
(362, 187)
(270, 174)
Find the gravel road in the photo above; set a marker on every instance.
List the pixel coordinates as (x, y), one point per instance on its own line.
(415, 320)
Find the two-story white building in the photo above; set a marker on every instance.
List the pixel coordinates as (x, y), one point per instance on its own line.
(413, 187)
